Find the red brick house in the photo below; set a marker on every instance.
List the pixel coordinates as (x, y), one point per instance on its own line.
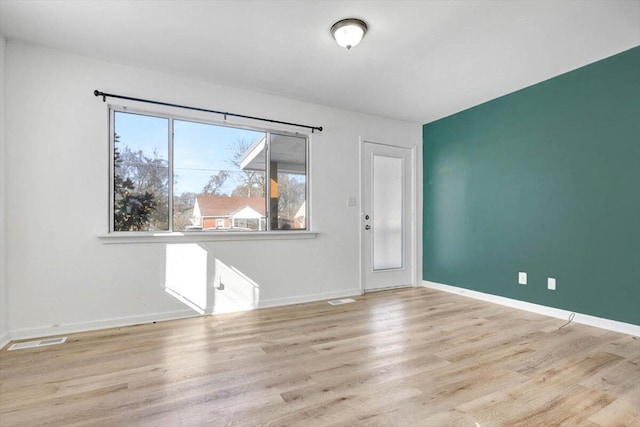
(229, 213)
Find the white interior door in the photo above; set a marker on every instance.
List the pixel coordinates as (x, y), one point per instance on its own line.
(387, 217)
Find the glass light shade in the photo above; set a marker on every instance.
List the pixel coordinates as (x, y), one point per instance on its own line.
(349, 32)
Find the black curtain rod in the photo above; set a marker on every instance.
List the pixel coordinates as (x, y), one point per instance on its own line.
(148, 101)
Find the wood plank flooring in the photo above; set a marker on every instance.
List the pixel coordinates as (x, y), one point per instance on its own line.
(408, 357)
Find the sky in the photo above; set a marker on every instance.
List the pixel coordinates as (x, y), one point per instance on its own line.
(200, 150)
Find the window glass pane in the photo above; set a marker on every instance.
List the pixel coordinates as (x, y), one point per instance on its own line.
(219, 178)
(288, 173)
(388, 188)
(141, 173)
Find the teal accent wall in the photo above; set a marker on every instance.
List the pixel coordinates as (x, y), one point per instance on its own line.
(545, 180)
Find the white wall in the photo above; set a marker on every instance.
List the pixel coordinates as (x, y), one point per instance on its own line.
(4, 306)
(62, 277)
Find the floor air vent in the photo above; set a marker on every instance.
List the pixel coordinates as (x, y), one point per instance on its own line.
(341, 301)
(39, 343)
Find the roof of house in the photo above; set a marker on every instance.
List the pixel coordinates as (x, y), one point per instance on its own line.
(228, 205)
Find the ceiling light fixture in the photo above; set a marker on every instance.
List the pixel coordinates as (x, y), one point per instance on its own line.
(349, 32)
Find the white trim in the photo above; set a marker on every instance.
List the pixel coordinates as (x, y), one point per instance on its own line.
(28, 333)
(585, 319)
(203, 236)
(203, 117)
(360, 207)
(277, 302)
(413, 208)
(4, 340)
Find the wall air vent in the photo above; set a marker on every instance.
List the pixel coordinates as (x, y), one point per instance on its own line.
(38, 343)
(341, 301)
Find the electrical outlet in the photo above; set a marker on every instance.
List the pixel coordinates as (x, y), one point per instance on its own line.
(551, 283)
(351, 201)
(522, 278)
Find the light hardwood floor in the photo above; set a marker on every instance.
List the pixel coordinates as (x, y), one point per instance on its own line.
(396, 358)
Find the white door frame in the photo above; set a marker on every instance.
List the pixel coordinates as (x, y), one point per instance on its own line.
(413, 256)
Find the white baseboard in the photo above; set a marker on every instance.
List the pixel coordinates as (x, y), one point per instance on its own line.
(28, 333)
(4, 340)
(585, 319)
(277, 302)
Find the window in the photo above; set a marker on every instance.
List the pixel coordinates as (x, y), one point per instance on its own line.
(140, 173)
(171, 174)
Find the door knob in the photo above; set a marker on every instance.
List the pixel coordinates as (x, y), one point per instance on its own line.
(367, 227)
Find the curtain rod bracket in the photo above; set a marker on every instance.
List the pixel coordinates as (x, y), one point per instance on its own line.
(168, 104)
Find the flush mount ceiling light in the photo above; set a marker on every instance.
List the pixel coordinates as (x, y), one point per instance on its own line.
(349, 32)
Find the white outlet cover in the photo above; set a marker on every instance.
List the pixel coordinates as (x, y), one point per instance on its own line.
(522, 278)
(551, 283)
(351, 201)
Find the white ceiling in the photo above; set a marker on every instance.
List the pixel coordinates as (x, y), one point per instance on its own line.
(420, 60)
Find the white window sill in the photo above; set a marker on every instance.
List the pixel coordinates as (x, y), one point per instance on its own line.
(202, 236)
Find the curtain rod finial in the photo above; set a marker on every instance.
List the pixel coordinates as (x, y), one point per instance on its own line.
(98, 93)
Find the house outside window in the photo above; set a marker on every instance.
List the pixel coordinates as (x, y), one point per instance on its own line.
(170, 174)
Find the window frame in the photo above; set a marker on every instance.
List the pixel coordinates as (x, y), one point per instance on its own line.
(219, 235)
